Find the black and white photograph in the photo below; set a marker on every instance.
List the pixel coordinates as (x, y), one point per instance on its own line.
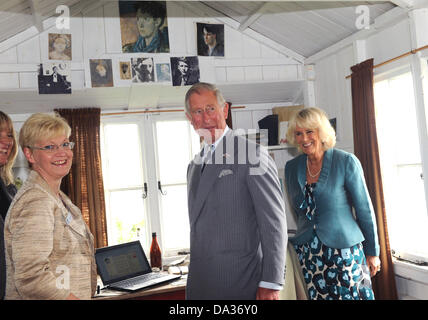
(101, 73)
(185, 70)
(210, 39)
(54, 78)
(142, 70)
(163, 72)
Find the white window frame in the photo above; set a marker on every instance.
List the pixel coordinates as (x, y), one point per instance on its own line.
(416, 66)
(150, 166)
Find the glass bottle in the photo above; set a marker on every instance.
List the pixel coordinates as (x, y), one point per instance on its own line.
(155, 253)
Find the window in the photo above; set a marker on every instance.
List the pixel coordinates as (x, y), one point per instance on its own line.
(145, 162)
(401, 166)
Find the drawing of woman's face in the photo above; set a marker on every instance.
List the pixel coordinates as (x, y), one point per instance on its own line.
(59, 45)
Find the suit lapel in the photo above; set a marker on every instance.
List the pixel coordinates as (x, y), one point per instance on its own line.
(325, 170)
(301, 172)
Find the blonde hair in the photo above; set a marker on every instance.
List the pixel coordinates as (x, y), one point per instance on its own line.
(41, 126)
(6, 173)
(314, 119)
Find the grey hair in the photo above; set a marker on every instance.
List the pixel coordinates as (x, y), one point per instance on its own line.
(198, 88)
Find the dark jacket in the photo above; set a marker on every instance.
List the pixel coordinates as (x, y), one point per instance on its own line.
(6, 195)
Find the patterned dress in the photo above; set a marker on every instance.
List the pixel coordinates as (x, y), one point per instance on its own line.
(332, 274)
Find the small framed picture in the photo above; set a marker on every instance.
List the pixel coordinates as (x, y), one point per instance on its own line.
(125, 70)
(185, 71)
(163, 72)
(54, 78)
(210, 39)
(101, 72)
(59, 46)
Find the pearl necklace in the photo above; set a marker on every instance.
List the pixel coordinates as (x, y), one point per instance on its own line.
(309, 171)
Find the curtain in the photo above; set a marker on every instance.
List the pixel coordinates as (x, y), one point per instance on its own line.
(366, 149)
(84, 185)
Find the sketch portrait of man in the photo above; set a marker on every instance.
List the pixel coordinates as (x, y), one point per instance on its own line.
(144, 26)
(210, 39)
(185, 71)
(142, 70)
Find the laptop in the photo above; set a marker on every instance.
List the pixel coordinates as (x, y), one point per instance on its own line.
(125, 267)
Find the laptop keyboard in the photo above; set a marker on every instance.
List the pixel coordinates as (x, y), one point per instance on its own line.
(129, 283)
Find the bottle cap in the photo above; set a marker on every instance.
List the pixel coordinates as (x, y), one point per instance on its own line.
(154, 234)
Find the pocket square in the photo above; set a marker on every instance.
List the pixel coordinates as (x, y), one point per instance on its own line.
(225, 172)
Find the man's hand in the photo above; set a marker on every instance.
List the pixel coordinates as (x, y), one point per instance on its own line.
(267, 294)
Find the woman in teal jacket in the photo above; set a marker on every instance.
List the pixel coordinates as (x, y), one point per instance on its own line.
(336, 240)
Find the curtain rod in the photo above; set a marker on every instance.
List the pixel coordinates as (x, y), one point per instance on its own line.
(153, 111)
(396, 58)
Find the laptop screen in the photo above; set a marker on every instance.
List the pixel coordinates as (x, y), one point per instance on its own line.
(120, 262)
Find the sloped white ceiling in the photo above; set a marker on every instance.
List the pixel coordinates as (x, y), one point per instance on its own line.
(303, 27)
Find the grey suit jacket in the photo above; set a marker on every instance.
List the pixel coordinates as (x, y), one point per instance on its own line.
(237, 220)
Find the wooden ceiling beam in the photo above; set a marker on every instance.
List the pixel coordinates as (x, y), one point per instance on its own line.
(256, 14)
(37, 17)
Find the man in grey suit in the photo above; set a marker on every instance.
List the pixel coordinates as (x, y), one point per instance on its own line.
(238, 233)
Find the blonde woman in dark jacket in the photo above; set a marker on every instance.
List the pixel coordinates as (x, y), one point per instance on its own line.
(8, 152)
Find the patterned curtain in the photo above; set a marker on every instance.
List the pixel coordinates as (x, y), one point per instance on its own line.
(84, 185)
(367, 151)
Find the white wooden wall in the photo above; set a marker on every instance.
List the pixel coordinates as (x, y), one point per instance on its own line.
(95, 34)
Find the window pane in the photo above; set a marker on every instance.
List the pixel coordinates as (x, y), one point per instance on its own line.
(173, 147)
(400, 159)
(127, 217)
(175, 219)
(123, 155)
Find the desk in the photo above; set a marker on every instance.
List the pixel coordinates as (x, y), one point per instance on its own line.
(171, 291)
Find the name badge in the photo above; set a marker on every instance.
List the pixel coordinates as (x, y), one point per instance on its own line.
(69, 218)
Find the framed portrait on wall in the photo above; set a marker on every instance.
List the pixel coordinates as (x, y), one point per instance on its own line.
(163, 72)
(142, 70)
(144, 26)
(185, 70)
(54, 78)
(210, 39)
(59, 46)
(101, 72)
(125, 70)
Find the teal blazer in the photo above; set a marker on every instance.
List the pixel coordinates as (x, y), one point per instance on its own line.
(340, 189)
